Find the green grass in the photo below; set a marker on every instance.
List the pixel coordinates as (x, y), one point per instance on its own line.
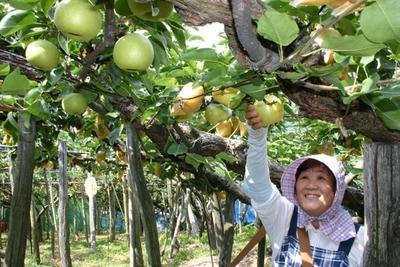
(117, 253)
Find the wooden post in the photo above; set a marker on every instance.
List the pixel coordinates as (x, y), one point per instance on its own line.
(111, 211)
(50, 202)
(92, 223)
(218, 222)
(63, 230)
(134, 225)
(225, 255)
(145, 202)
(21, 199)
(84, 219)
(34, 233)
(382, 199)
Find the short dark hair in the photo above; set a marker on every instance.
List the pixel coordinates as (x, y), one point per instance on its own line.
(313, 163)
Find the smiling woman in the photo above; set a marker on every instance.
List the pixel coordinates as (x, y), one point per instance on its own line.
(312, 192)
(315, 187)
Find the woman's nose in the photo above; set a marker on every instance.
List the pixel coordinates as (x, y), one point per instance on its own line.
(311, 184)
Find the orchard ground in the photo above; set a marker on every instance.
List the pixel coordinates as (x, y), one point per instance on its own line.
(193, 251)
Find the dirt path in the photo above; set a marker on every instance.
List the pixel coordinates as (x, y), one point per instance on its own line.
(249, 261)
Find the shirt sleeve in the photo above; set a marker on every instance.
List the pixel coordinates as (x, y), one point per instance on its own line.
(275, 215)
(257, 183)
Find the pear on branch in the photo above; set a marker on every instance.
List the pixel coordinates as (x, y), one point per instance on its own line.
(323, 34)
(188, 100)
(224, 96)
(224, 128)
(101, 129)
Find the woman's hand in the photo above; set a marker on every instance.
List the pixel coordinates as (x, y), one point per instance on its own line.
(253, 119)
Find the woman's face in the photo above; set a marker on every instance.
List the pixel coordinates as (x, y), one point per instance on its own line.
(315, 190)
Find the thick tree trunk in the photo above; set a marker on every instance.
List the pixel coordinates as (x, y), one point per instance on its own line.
(34, 234)
(134, 226)
(145, 202)
(63, 229)
(111, 212)
(21, 199)
(382, 213)
(225, 254)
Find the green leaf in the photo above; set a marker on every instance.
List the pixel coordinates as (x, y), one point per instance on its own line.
(369, 84)
(380, 21)
(56, 75)
(15, 21)
(217, 166)
(386, 104)
(15, 84)
(179, 33)
(255, 90)
(46, 5)
(26, 118)
(177, 149)
(23, 4)
(227, 157)
(201, 54)
(320, 71)
(356, 45)
(32, 96)
(277, 27)
(391, 91)
(166, 81)
(194, 159)
(7, 99)
(292, 75)
(115, 133)
(39, 109)
(215, 76)
(4, 69)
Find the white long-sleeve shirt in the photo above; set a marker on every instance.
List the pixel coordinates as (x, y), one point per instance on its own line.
(275, 211)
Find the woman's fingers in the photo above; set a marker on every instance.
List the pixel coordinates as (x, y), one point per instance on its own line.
(253, 119)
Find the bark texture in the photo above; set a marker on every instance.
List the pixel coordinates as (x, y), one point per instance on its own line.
(63, 230)
(382, 214)
(145, 203)
(21, 199)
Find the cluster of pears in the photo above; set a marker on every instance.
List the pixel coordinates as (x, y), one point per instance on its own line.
(219, 113)
(82, 21)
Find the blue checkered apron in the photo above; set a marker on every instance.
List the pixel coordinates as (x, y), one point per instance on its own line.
(290, 251)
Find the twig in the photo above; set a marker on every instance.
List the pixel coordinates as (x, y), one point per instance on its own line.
(328, 23)
(347, 88)
(108, 40)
